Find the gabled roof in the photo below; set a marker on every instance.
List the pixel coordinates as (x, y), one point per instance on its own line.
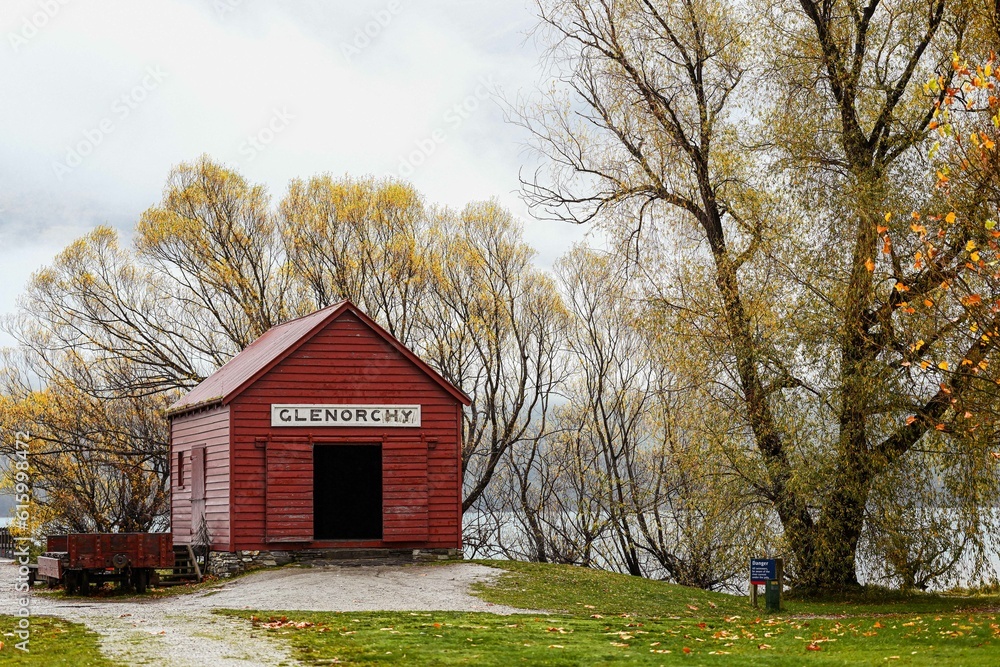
(278, 343)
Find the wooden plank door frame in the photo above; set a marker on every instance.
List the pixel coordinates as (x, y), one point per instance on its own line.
(405, 492)
(289, 506)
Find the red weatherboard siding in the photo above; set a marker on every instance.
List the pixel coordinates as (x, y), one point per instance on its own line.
(210, 428)
(348, 363)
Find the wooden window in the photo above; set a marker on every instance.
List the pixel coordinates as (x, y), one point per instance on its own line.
(179, 466)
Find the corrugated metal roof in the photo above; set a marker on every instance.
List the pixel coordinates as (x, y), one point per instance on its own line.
(227, 382)
(217, 387)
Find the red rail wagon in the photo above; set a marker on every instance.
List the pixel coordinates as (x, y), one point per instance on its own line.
(80, 559)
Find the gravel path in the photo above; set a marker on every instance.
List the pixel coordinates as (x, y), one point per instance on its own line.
(182, 630)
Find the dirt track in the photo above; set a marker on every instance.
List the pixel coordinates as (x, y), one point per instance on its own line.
(182, 630)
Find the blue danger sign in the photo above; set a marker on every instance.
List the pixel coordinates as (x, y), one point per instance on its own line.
(763, 570)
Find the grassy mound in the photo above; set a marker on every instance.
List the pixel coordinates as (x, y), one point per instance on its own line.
(600, 618)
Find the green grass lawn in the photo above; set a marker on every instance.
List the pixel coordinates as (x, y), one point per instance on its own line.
(601, 618)
(53, 643)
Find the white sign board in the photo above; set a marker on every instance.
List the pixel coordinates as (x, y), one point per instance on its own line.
(346, 415)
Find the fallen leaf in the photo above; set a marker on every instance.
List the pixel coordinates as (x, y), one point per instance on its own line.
(814, 647)
(686, 649)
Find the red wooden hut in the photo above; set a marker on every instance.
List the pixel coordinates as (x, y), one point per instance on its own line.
(324, 434)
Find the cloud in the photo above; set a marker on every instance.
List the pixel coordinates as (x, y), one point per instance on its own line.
(227, 72)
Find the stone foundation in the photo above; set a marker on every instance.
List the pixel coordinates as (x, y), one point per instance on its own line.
(228, 563)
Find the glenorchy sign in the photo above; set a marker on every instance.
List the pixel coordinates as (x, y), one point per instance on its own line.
(345, 415)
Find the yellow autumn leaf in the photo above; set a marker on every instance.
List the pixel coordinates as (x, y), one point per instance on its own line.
(943, 365)
(971, 300)
(869, 264)
(970, 246)
(950, 218)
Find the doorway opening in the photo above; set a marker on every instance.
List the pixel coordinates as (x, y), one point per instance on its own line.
(347, 492)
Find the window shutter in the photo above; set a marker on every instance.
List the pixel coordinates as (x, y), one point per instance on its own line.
(198, 473)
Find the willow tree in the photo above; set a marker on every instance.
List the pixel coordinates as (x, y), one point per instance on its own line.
(493, 324)
(770, 142)
(214, 265)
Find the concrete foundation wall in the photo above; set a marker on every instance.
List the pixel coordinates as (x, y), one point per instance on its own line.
(228, 563)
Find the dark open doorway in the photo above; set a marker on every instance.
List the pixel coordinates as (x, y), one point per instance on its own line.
(347, 492)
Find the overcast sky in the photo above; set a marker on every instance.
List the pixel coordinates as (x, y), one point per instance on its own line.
(102, 97)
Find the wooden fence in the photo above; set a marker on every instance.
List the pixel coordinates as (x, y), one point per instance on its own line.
(6, 543)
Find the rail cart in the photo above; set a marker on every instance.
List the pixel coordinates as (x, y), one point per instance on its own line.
(78, 560)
